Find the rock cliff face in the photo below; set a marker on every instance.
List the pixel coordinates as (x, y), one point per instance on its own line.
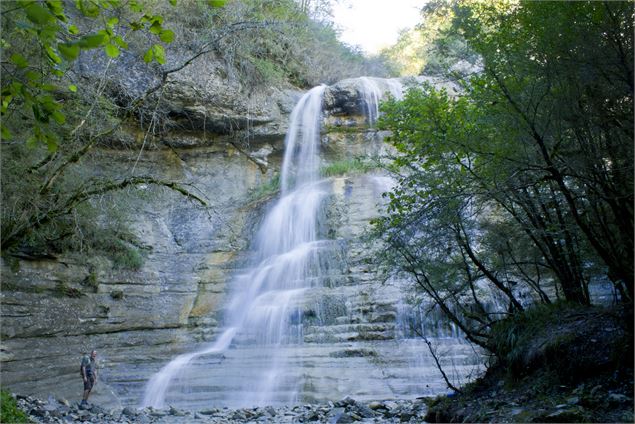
(223, 144)
(229, 148)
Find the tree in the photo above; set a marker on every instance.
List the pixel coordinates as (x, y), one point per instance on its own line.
(41, 40)
(42, 106)
(523, 183)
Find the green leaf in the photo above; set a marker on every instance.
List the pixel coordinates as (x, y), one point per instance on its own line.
(106, 33)
(73, 29)
(53, 55)
(135, 6)
(88, 8)
(49, 87)
(112, 22)
(51, 143)
(120, 42)
(216, 3)
(148, 56)
(156, 28)
(5, 134)
(16, 87)
(19, 60)
(173, 2)
(136, 26)
(58, 117)
(55, 6)
(112, 50)
(70, 51)
(37, 14)
(92, 41)
(72, 88)
(166, 36)
(159, 53)
(48, 103)
(6, 101)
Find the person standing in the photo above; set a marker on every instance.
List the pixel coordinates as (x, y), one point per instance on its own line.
(89, 374)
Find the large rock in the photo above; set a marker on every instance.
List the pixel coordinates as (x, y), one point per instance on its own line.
(199, 100)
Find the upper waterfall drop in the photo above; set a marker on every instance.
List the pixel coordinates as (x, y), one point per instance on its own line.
(372, 90)
(302, 141)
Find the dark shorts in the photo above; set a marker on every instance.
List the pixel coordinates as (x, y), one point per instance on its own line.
(90, 381)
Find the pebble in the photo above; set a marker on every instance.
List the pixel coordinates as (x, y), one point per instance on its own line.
(346, 410)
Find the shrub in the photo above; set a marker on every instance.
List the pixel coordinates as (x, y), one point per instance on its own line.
(9, 411)
(348, 166)
(63, 289)
(91, 281)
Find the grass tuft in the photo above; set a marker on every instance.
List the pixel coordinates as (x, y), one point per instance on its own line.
(348, 166)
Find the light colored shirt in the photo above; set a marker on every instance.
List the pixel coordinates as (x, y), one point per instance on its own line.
(89, 364)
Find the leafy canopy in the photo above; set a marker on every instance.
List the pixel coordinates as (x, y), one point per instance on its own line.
(43, 39)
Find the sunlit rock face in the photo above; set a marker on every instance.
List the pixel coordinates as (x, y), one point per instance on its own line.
(348, 333)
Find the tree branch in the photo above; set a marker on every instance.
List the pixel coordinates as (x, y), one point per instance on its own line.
(38, 220)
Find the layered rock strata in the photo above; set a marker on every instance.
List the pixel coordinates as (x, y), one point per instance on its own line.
(353, 342)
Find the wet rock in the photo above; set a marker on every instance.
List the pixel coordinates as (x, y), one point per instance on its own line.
(142, 419)
(595, 390)
(38, 412)
(344, 418)
(617, 398)
(239, 415)
(376, 405)
(129, 412)
(271, 411)
(364, 411)
(158, 413)
(176, 412)
(347, 401)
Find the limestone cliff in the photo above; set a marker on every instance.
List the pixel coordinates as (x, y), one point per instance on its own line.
(227, 146)
(220, 142)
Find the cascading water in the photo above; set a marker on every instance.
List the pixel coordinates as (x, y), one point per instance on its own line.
(264, 310)
(373, 89)
(308, 320)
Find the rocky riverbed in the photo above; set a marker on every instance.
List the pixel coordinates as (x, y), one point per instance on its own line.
(347, 410)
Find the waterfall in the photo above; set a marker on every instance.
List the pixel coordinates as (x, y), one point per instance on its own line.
(264, 307)
(307, 320)
(372, 90)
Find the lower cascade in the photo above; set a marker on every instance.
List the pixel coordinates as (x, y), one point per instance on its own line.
(291, 333)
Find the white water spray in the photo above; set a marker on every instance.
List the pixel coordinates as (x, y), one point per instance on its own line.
(263, 309)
